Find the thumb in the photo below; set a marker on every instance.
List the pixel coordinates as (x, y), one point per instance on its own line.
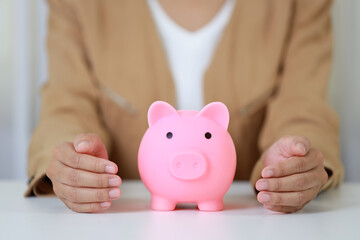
(287, 147)
(91, 144)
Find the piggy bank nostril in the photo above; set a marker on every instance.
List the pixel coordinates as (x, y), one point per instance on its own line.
(178, 165)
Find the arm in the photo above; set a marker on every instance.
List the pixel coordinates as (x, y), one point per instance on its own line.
(300, 106)
(69, 98)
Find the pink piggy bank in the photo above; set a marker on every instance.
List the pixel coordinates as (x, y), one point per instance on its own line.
(187, 156)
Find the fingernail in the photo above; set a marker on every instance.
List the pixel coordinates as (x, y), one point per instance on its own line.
(110, 169)
(114, 193)
(82, 146)
(268, 173)
(262, 185)
(302, 147)
(105, 204)
(264, 197)
(114, 182)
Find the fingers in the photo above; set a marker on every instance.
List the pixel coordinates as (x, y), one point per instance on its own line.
(90, 144)
(293, 146)
(294, 165)
(285, 148)
(86, 207)
(86, 195)
(80, 178)
(65, 153)
(85, 181)
(296, 182)
(292, 176)
(283, 209)
(290, 199)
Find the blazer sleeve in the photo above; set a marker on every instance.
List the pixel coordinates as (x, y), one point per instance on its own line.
(300, 105)
(69, 98)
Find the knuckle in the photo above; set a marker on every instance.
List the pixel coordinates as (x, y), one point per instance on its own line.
(279, 144)
(300, 165)
(279, 171)
(300, 198)
(100, 196)
(75, 207)
(283, 140)
(93, 207)
(101, 181)
(97, 166)
(73, 194)
(301, 182)
(278, 199)
(58, 192)
(73, 177)
(61, 195)
(76, 160)
(277, 185)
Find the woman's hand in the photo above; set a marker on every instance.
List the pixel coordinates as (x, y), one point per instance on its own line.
(81, 175)
(292, 176)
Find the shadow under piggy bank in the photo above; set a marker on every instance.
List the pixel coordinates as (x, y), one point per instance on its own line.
(129, 205)
(240, 202)
(233, 202)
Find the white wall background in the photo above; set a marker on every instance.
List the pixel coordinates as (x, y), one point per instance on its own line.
(23, 70)
(345, 82)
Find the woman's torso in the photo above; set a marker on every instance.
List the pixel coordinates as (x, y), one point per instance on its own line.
(129, 65)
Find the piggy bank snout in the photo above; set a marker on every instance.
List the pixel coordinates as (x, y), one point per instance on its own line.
(188, 165)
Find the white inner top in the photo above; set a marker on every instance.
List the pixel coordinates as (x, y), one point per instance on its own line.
(189, 53)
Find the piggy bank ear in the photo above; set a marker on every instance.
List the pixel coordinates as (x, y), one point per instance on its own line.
(158, 110)
(216, 111)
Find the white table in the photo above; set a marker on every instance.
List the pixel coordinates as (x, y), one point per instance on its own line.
(332, 215)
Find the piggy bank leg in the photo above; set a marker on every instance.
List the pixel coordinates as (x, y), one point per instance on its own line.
(211, 205)
(162, 204)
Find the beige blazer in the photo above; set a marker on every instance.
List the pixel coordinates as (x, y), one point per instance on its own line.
(107, 65)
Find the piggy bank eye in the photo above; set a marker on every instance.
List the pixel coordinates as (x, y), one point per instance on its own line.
(169, 135)
(207, 135)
